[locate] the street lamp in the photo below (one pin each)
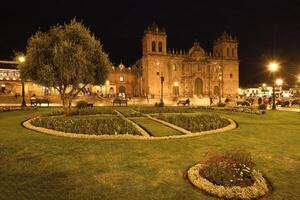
(279, 82)
(161, 84)
(21, 60)
(273, 67)
(220, 80)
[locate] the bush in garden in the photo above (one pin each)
(81, 104)
(262, 106)
(231, 169)
(221, 104)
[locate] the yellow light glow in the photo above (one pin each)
(298, 77)
(264, 85)
(279, 81)
(176, 83)
(273, 66)
(21, 59)
(107, 82)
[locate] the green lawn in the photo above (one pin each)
(155, 128)
(37, 166)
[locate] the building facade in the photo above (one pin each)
(194, 73)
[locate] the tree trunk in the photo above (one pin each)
(67, 104)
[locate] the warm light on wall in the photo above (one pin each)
(176, 83)
(279, 81)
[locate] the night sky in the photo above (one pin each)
(265, 29)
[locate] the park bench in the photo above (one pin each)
(120, 102)
(90, 105)
(243, 103)
(35, 102)
(183, 102)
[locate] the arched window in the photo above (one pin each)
(228, 52)
(198, 87)
(198, 67)
(160, 47)
(174, 67)
(231, 75)
(153, 46)
(233, 52)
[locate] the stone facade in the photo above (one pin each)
(195, 73)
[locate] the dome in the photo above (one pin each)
(196, 51)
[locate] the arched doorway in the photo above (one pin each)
(111, 91)
(198, 87)
(122, 89)
(175, 90)
(216, 90)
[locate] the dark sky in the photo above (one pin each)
(265, 29)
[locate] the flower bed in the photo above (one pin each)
(249, 110)
(195, 123)
(86, 125)
(229, 176)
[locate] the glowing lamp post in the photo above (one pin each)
(21, 60)
(273, 67)
(279, 82)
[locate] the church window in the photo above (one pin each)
(121, 78)
(153, 46)
(228, 52)
(231, 75)
(233, 52)
(174, 67)
(160, 47)
(198, 67)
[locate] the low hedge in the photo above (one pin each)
(87, 125)
(195, 123)
(84, 111)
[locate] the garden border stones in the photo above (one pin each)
(27, 124)
(258, 189)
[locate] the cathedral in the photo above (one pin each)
(178, 73)
(194, 73)
(163, 73)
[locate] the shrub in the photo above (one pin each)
(81, 104)
(160, 104)
(231, 169)
(262, 107)
(221, 104)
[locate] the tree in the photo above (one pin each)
(67, 58)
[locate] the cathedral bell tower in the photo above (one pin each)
(154, 40)
(226, 47)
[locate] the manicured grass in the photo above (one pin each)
(155, 129)
(37, 166)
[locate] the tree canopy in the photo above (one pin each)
(67, 57)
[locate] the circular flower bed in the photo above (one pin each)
(230, 176)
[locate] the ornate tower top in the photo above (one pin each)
(154, 29)
(225, 37)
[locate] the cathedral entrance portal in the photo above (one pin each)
(198, 87)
